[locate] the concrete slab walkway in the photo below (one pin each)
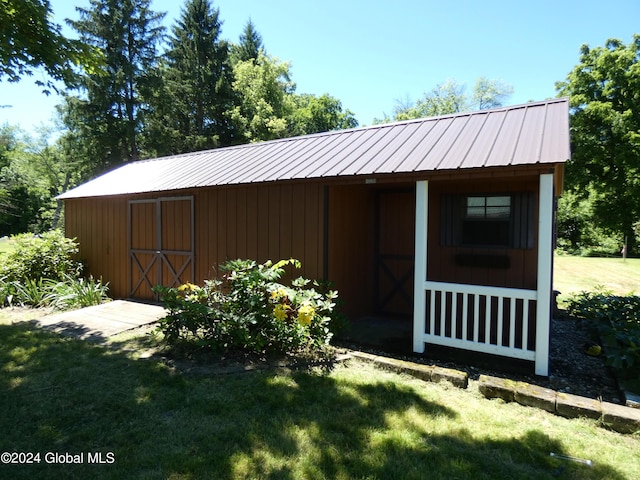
(99, 322)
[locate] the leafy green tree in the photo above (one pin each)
(111, 115)
(263, 88)
(29, 40)
(312, 114)
(490, 93)
(604, 91)
(450, 97)
(191, 111)
(24, 195)
(250, 45)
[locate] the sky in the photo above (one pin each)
(371, 53)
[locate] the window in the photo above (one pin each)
(488, 221)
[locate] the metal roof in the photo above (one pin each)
(529, 134)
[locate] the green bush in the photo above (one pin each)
(613, 320)
(40, 271)
(248, 309)
(45, 256)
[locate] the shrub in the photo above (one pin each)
(41, 271)
(613, 320)
(35, 257)
(248, 309)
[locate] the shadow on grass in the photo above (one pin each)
(67, 396)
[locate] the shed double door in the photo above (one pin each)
(161, 244)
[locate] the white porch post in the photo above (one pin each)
(545, 259)
(419, 295)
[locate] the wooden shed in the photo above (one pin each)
(446, 219)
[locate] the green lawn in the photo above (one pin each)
(5, 245)
(156, 422)
(577, 274)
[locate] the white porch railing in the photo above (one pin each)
(492, 320)
(477, 304)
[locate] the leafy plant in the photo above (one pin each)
(48, 255)
(249, 309)
(30, 292)
(75, 292)
(613, 320)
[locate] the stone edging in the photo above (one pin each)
(619, 418)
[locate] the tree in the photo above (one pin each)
(604, 92)
(250, 45)
(490, 93)
(111, 115)
(263, 88)
(450, 97)
(197, 84)
(29, 40)
(312, 114)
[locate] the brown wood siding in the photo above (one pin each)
(266, 222)
(350, 238)
(100, 227)
(442, 265)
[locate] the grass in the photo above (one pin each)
(67, 396)
(577, 274)
(6, 245)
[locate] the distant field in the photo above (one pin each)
(577, 274)
(5, 245)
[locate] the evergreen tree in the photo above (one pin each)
(110, 116)
(250, 45)
(191, 112)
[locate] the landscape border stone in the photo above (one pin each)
(620, 418)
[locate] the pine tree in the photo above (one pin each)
(110, 116)
(250, 45)
(197, 78)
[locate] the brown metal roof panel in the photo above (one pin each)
(326, 146)
(327, 162)
(485, 140)
(255, 162)
(400, 158)
(463, 146)
(530, 139)
(347, 155)
(295, 154)
(507, 139)
(555, 141)
(395, 138)
(432, 149)
(368, 149)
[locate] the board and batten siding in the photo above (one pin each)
(260, 222)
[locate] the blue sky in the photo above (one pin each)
(368, 53)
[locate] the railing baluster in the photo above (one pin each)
(487, 318)
(513, 302)
(454, 314)
(465, 315)
(499, 333)
(443, 312)
(476, 317)
(432, 312)
(525, 324)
